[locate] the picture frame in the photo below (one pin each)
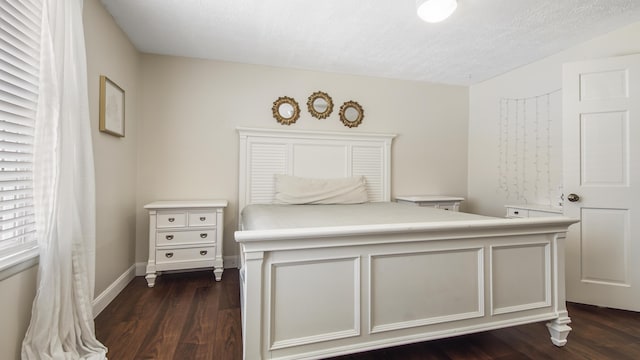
(112, 99)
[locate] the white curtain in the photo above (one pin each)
(62, 324)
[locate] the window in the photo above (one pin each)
(19, 69)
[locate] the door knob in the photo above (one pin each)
(573, 197)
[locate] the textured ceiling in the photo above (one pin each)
(382, 38)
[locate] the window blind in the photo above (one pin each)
(19, 69)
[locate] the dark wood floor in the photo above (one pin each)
(190, 316)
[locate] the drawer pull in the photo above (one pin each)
(169, 254)
(203, 235)
(203, 218)
(169, 237)
(203, 252)
(516, 212)
(171, 219)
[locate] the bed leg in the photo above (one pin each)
(559, 330)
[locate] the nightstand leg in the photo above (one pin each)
(151, 279)
(217, 272)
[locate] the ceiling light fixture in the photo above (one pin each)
(435, 10)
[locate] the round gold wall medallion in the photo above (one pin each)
(285, 110)
(351, 114)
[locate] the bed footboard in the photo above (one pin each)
(311, 295)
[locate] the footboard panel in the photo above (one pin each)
(312, 300)
(340, 295)
(409, 289)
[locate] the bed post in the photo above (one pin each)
(386, 195)
(242, 174)
(252, 306)
(558, 328)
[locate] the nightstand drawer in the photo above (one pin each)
(184, 255)
(447, 206)
(168, 238)
(531, 210)
(511, 212)
(202, 218)
(442, 202)
(171, 219)
(536, 213)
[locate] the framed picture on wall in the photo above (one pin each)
(111, 107)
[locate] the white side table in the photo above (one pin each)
(185, 235)
(532, 210)
(443, 202)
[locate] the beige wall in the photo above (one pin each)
(16, 295)
(188, 148)
(531, 80)
(110, 53)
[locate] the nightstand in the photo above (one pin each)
(532, 210)
(435, 201)
(185, 235)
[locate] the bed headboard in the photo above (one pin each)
(313, 154)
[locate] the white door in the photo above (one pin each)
(601, 164)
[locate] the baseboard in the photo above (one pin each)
(110, 293)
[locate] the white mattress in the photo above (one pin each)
(272, 216)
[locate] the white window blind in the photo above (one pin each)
(19, 69)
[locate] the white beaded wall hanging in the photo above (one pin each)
(525, 148)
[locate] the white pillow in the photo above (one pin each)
(297, 190)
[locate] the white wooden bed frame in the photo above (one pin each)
(313, 293)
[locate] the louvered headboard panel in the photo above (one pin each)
(313, 154)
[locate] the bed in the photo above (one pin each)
(325, 280)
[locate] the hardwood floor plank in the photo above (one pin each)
(419, 351)
(462, 348)
(190, 316)
(230, 296)
(196, 341)
(163, 336)
(622, 323)
(597, 343)
(228, 338)
(124, 322)
(490, 344)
